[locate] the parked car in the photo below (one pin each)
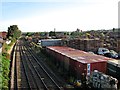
(103, 51)
(112, 54)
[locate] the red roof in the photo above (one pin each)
(3, 34)
(78, 55)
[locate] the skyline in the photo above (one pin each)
(37, 16)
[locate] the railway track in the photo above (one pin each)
(40, 59)
(34, 75)
(48, 72)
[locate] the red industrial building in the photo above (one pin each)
(77, 62)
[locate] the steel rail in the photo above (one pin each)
(45, 66)
(45, 86)
(24, 68)
(44, 69)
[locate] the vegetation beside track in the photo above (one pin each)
(13, 34)
(5, 65)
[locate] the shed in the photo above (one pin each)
(78, 61)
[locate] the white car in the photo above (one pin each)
(113, 54)
(103, 51)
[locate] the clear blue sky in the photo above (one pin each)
(64, 15)
(14, 10)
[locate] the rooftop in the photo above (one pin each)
(78, 55)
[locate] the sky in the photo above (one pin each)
(63, 15)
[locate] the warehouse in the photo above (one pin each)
(77, 62)
(49, 42)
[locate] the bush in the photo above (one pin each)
(4, 68)
(5, 55)
(5, 65)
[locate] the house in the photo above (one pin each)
(60, 35)
(3, 35)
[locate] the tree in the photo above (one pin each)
(13, 32)
(88, 35)
(76, 34)
(51, 33)
(29, 33)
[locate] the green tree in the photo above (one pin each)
(51, 33)
(13, 32)
(88, 35)
(29, 33)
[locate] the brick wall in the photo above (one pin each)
(85, 44)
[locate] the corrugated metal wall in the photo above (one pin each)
(78, 67)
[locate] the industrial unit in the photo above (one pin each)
(76, 61)
(50, 42)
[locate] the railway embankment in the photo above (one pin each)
(5, 64)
